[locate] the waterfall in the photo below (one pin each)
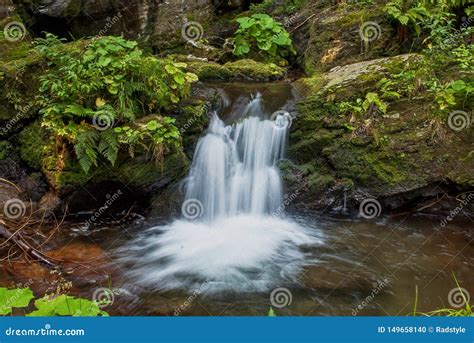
(234, 169)
(229, 237)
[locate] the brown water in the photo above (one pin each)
(363, 267)
(384, 260)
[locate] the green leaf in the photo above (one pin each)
(282, 39)
(171, 69)
(10, 298)
(458, 85)
(179, 78)
(104, 61)
(64, 305)
(245, 22)
(152, 125)
(265, 45)
(262, 16)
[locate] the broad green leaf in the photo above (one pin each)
(64, 305)
(152, 125)
(10, 298)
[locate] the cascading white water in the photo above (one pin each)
(230, 237)
(234, 169)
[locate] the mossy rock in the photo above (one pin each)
(246, 69)
(255, 71)
(209, 70)
(333, 35)
(65, 175)
(355, 80)
(397, 154)
(13, 49)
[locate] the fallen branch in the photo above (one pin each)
(25, 247)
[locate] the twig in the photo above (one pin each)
(23, 245)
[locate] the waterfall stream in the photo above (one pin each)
(234, 169)
(229, 237)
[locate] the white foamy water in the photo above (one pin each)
(229, 239)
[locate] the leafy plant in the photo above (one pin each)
(90, 92)
(448, 312)
(407, 15)
(62, 305)
(371, 104)
(263, 34)
(10, 298)
(65, 305)
(449, 95)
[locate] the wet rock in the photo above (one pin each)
(158, 23)
(340, 166)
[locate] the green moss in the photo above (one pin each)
(390, 171)
(247, 69)
(10, 51)
(311, 85)
(34, 146)
(73, 8)
(142, 173)
(5, 149)
(317, 182)
(209, 70)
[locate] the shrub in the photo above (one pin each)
(61, 305)
(260, 33)
(109, 96)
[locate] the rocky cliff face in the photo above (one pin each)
(157, 22)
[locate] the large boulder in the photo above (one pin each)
(159, 23)
(403, 156)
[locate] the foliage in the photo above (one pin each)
(263, 34)
(449, 95)
(62, 305)
(448, 48)
(271, 312)
(65, 305)
(89, 93)
(411, 16)
(287, 7)
(372, 104)
(433, 17)
(448, 312)
(10, 298)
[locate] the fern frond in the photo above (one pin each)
(85, 146)
(109, 145)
